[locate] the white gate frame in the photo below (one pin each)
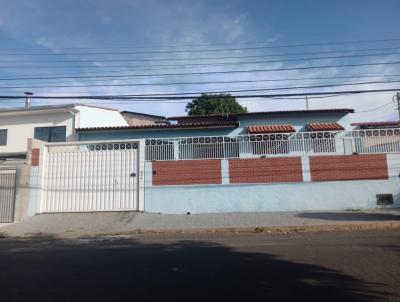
(140, 164)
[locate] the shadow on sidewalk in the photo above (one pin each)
(95, 270)
(350, 216)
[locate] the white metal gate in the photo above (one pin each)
(7, 194)
(87, 179)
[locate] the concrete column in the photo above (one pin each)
(225, 171)
(305, 165)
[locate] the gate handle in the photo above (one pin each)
(133, 174)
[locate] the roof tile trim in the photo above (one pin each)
(377, 124)
(284, 128)
(325, 127)
(162, 126)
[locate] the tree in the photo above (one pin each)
(214, 104)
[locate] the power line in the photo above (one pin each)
(263, 89)
(116, 101)
(191, 64)
(375, 108)
(169, 98)
(186, 59)
(205, 73)
(180, 66)
(204, 44)
(382, 76)
(206, 50)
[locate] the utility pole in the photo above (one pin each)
(307, 107)
(28, 99)
(398, 103)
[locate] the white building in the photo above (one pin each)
(53, 123)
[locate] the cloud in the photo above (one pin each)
(135, 23)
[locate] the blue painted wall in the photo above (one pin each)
(340, 195)
(305, 196)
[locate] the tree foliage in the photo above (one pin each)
(214, 104)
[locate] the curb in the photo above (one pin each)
(260, 229)
(289, 229)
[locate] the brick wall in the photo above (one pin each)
(186, 172)
(348, 167)
(265, 170)
(35, 157)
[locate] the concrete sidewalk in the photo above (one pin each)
(89, 224)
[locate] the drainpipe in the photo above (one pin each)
(73, 113)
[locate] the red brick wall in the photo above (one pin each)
(265, 170)
(186, 172)
(35, 157)
(348, 167)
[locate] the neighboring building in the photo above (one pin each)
(51, 123)
(23, 132)
(141, 119)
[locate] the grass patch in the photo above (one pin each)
(259, 230)
(3, 235)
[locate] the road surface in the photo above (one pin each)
(315, 266)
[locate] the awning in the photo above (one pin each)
(325, 127)
(285, 128)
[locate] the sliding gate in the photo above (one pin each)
(87, 178)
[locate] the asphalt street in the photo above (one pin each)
(310, 266)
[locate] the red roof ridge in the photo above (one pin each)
(280, 128)
(333, 126)
(161, 126)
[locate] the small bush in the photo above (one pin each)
(259, 230)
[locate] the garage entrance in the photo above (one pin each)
(90, 177)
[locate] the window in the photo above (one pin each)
(3, 137)
(51, 134)
(384, 199)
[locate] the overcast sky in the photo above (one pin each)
(47, 27)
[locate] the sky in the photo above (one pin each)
(157, 36)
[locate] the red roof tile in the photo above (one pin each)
(386, 124)
(162, 126)
(325, 127)
(270, 129)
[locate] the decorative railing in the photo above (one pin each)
(278, 144)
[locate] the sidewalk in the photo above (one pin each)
(91, 224)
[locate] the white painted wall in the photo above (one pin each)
(98, 117)
(21, 124)
(21, 127)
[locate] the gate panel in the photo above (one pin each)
(87, 181)
(7, 194)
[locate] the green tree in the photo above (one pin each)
(214, 104)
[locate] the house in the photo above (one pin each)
(250, 162)
(232, 124)
(23, 131)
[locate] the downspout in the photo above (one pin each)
(73, 113)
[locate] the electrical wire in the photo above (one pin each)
(177, 97)
(208, 72)
(206, 50)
